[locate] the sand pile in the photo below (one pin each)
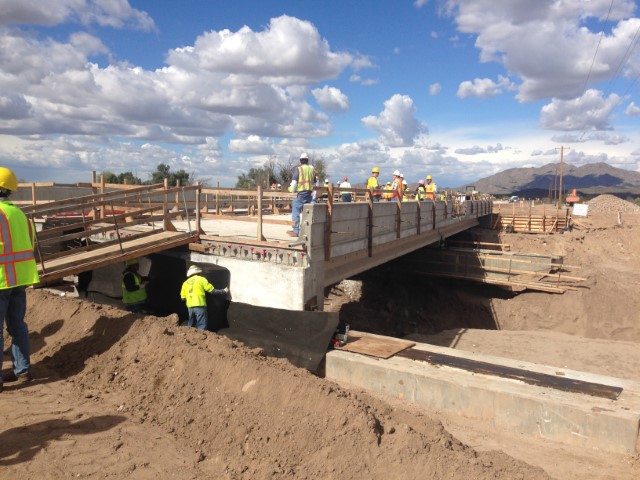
(242, 415)
(611, 204)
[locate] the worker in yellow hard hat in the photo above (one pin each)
(18, 272)
(430, 188)
(373, 185)
(134, 287)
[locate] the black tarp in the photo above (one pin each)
(301, 337)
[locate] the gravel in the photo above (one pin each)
(610, 203)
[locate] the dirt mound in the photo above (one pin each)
(241, 414)
(611, 204)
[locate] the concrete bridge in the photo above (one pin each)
(239, 236)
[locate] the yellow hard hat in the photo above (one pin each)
(8, 179)
(131, 261)
(428, 177)
(375, 170)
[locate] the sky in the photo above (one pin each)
(456, 89)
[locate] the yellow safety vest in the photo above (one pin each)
(17, 262)
(137, 296)
(194, 289)
(305, 178)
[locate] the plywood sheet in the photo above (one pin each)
(374, 345)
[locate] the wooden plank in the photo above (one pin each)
(374, 345)
(110, 254)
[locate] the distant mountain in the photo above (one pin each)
(595, 177)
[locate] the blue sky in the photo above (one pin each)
(457, 89)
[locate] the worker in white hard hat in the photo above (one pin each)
(302, 185)
(134, 287)
(193, 292)
(19, 270)
(396, 185)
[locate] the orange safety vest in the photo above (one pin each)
(17, 262)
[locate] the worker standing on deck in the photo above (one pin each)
(18, 271)
(374, 185)
(134, 287)
(346, 196)
(420, 191)
(194, 291)
(431, 188)
(302, 184)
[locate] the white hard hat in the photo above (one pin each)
(193, 270)
(404, 182)
(396, 173)
(304, 155)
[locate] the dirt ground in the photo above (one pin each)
(117, 395)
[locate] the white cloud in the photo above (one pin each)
(396, 124)
(106, 13)
(632, 110)
(589, 112)
(331, 99)
(435, 88)
(252, 144)
(518, 34)
(475, 150)
(483, 87)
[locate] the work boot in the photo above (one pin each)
(291, 233)
(22, 378)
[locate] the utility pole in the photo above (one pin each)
(560, 180)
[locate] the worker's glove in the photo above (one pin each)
(289, 189)
(226, 290)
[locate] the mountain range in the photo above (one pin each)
(593, 178)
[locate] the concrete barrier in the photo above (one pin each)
(508, 404)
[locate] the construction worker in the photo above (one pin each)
(388, 193)
(301, 183)
(420, 191)
(396, 185)
(345, 196)
(373, 185)
(430, 188)
(193, 291)
(134, 291)
(18, 271)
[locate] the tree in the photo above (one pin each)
(320, 167)
(253, 178)
(164, 171)
(122, 178)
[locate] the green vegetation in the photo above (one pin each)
(162, 171)
(277, 172)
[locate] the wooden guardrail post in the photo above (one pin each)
(399, 211)
(370, 226)
(198, 229)
(102, 205)
(328, 224)
(260, 236)
(165, 206)
(33, 194)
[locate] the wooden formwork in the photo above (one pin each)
(530, 222)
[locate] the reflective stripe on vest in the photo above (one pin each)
(17, 261)
(305, 178)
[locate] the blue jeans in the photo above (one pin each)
(296, 208)
(13, 306)
(198, 317)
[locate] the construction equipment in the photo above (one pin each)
(341, 336)
(572, 197)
